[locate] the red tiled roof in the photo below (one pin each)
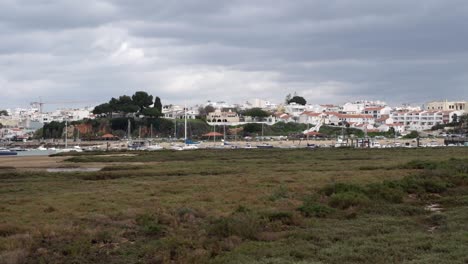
(213, 134)
(313, 133)
(311, 113)
(352, 116)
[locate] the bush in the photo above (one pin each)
(421, 164)
(310, 209)
(149, 225)
(385, 192)
(244, 225)
(420, 184)
(280, 193)
(340, 188)
(345, 200)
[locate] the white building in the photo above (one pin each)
(424, 120)
(219, 116)
(294, 109)
(447, 105)
(377, 112)
(312, 118)
(337, 118)
(263, 104)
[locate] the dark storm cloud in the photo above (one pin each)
(398, 51)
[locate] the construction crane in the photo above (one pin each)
(40, 104)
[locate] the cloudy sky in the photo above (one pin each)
(197, 50)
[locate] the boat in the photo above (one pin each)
(66, 150)
(6, 152)
(153, 148)
(312, 146)
(265, 146)
(188, 143)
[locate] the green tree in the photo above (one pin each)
(298, 100)
(256, 112)
(251, 128)
(102, 109)
(3, 113)
(142, 100)
(287, 99)
(1, 125)
(204, 111)
(157, 104)
(125, 104)
(53, 129)
(412, 134)
(151, 112)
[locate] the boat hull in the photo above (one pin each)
(8, 153)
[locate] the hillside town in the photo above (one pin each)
(369, 116)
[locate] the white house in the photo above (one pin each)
(399, 127)
(313, 118)
(336, 118)
(294, 109)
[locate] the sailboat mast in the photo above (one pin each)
(129, 127)
(185, 117)
(262, 131)
(66, 133)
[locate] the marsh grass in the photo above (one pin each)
(242, 206)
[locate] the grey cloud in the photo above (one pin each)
(333, 50)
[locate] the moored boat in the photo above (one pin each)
(7, 152)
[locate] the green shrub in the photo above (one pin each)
(420, 184)
(420, 165)
(244, 225)
(281, 216)
(340, 188)
(149, 225)
(310, 209)
(345, 200)
(280, 193)
(384, 192)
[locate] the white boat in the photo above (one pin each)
(188, 144)
(66, 150)
(189, 147)
(154, 148)
(176, 147)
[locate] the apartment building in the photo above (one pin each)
(424, 120)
